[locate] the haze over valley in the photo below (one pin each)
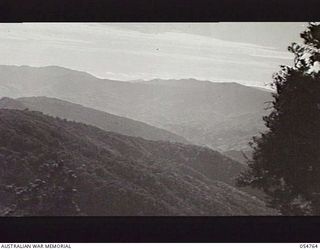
(223, 116)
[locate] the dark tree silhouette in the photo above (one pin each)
(286, 158)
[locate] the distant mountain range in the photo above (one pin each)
(122, 175)
(223, 116)
(103, 120)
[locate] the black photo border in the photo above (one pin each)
(171, 229)
(158, 10)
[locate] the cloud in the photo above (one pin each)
(101, 37)
(123, 53)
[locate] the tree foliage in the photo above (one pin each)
(286, 158)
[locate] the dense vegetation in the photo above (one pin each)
(79, 169)
(51, 192)
(286, 159)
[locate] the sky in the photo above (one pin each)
(247, 53)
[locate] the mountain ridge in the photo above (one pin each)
(66, 69)
(118, 175)
(72, 111)
(214, 114)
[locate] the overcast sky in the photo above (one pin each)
(243, 52)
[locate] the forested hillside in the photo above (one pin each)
(112, 174)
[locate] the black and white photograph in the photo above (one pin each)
(160, 119)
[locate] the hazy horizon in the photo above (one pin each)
(266, 87)
(246, 53)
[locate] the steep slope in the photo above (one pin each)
(239, 156)
(103, 120)
(118, 175)
(213, 114)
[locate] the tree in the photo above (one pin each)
(286, 158)
(51, 192)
